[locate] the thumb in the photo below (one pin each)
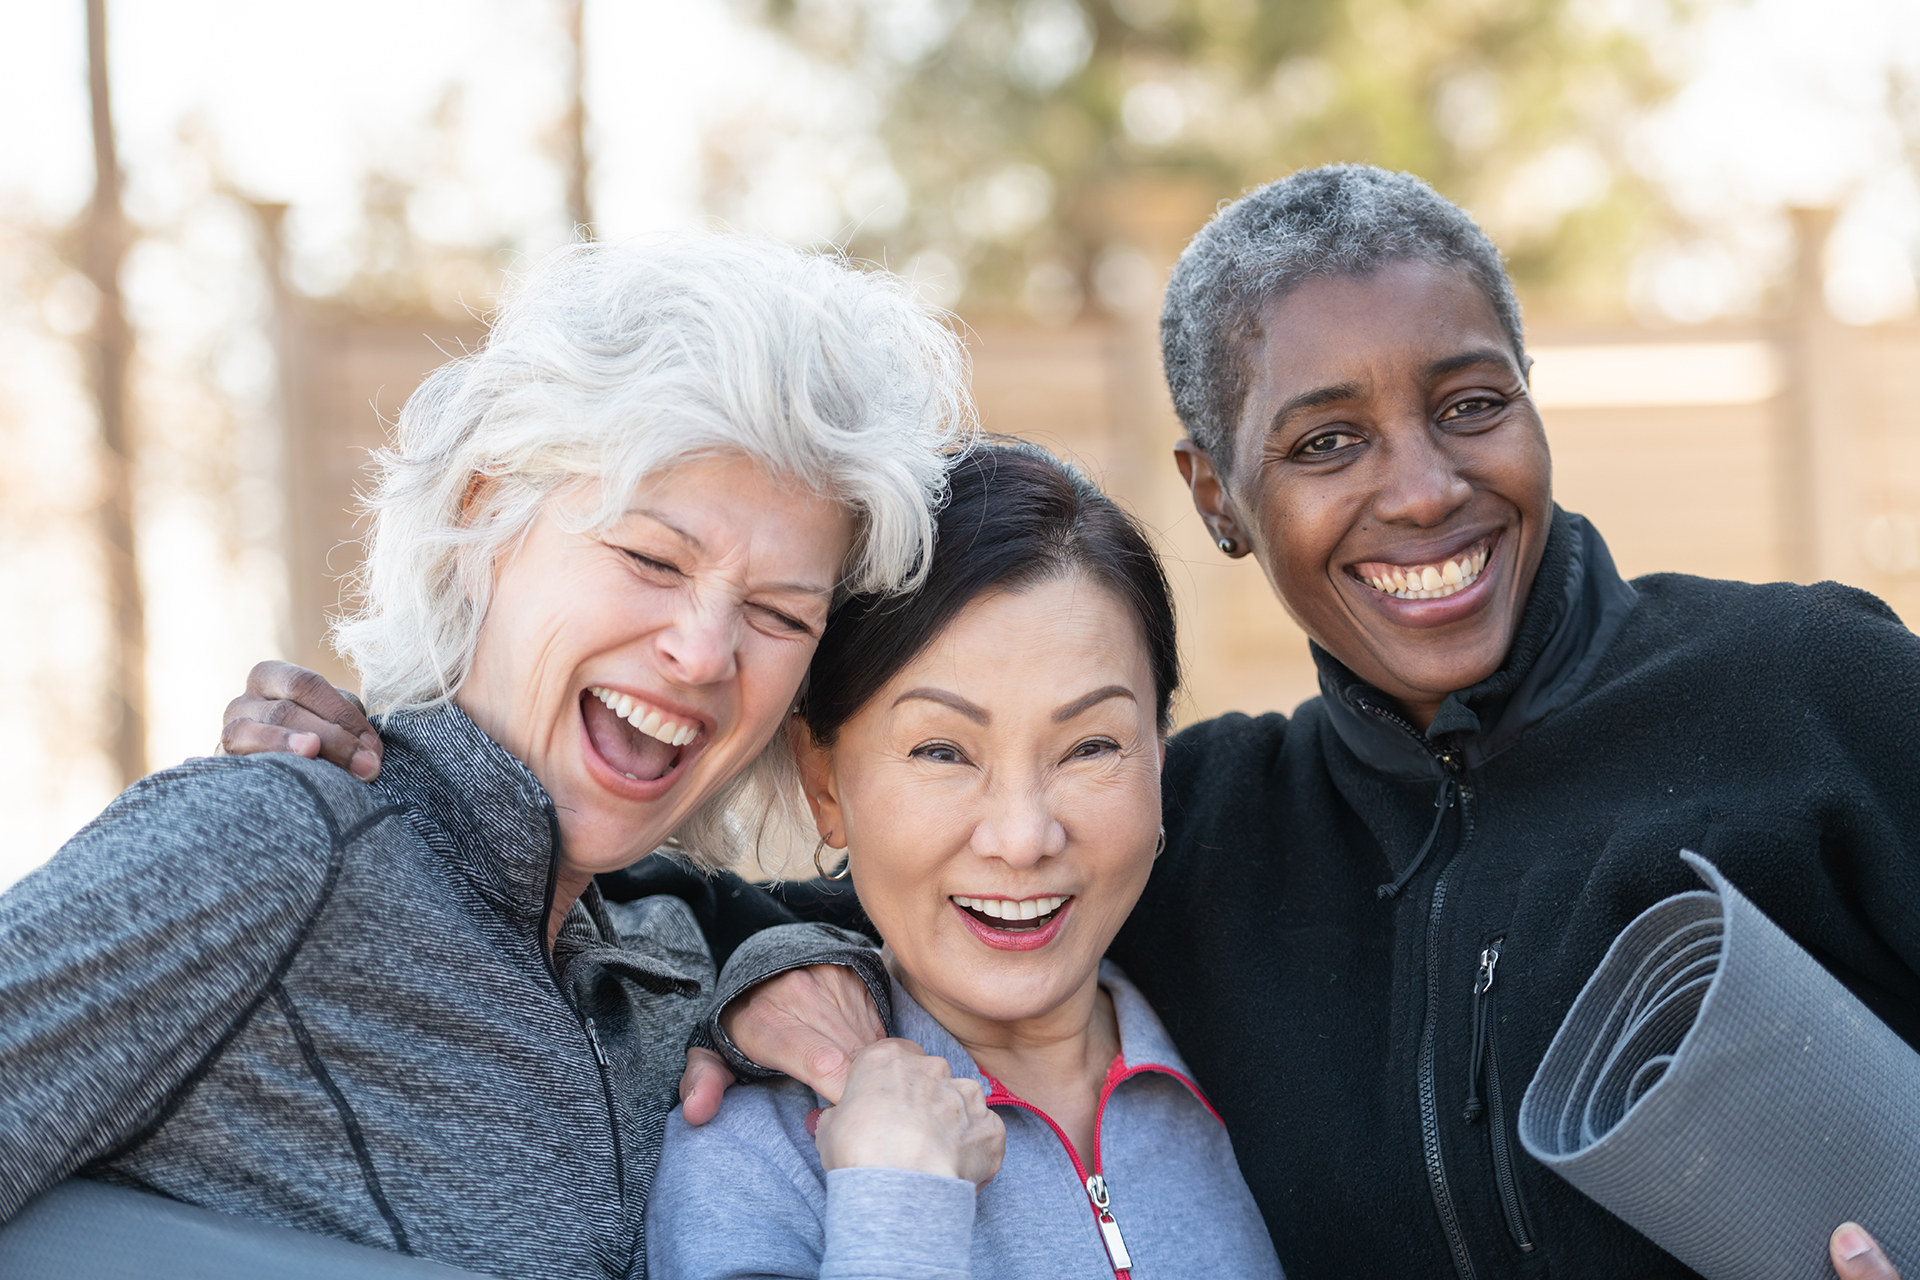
(702, 1085)
(1856, 1256)
(823, 1067)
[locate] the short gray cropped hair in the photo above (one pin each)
(613, 363)
(1336, 220)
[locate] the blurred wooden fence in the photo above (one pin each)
(1790, 451)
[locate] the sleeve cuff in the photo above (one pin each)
(774, 951)
(897, 1224)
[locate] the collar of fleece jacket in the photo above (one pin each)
(490, 817)
(1578, 604)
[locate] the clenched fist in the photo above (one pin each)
(902, 1109)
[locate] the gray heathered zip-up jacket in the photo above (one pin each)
(745, 1195)
(263, 987)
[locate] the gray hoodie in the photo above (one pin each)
(259, 986)
(745, 1196)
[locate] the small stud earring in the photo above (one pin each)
(1228, 545)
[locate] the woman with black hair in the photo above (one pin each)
(987, 751)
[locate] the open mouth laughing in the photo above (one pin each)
(1013, 924)
(642, 743)
(1434, 581)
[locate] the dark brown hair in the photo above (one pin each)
(1016, 516)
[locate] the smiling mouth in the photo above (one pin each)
(1010, 916)
(640, 742)
(1427, 581)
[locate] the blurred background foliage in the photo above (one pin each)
(320, 202)
(1006, 129)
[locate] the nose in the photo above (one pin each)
(1019, 827)
(1422, 482)
(700, 647)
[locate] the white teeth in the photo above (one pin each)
(1005, 909)
(645, 718)
(1430, 582)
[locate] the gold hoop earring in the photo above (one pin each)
(1162, 846)
(846, 868)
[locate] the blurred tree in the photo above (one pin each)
(104, 238)
(1011, 127)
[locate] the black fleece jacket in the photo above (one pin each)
(1773, 728)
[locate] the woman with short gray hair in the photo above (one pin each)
(604, 548)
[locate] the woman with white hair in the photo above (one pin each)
(604, 549)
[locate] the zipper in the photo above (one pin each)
(593, 1038)
(1486, 1055)
(1099, 1198)
(603, 1066)
(1109, 1229)
(1424, 1073)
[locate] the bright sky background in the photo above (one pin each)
(302, 97)
(1784, 102)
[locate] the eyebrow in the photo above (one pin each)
(1315, 399)
(1467, 359)
(1084, 701)
(926, 694)
(687, 536)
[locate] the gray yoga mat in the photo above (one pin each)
(82, 1230)
(1727, 1097)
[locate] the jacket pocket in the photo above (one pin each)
(1484, 1073)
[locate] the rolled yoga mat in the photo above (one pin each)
(82, 1230)
(1727, 1097)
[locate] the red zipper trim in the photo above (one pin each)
(999, 1096)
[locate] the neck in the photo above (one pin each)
(1420, 713)
(568, 885)
(1057, 1060)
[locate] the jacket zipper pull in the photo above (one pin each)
(1109, 1229)
(599, 1054)
(1482, 984)
(1441, 803)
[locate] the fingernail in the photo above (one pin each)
(306, 744)
(1852, 1242)
(364, 765)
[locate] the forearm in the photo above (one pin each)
(776, 951)
(729, 910)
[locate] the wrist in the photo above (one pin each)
(890, 1150)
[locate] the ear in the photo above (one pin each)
(817, 781)
(1210, 497)
(474, 500)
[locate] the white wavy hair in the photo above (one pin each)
(612, 363)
